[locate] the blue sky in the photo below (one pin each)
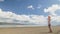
(31, 11)
(20, 6)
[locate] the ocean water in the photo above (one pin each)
(19, 25)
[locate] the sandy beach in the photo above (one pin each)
(29, 30)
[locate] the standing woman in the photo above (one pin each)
(49, 25)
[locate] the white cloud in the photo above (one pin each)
(38, 19)
(39, 6)
(1, 0)
(30, 7)
(9, 17)
(55, 18)
(52, 9)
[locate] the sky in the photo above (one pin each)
(30, 12)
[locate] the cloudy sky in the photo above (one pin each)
(30, 11)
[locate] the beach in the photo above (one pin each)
(29, 30)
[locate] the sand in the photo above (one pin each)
(29, 30)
